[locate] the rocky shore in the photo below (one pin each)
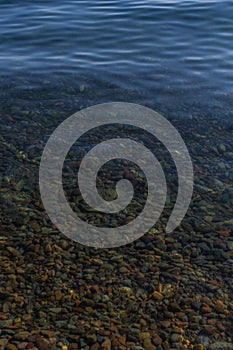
(161, 292)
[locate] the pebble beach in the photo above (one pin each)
(163, 291)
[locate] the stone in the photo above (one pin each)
(22, 346)
(106, 345)
(209, 329)
(157, 340)
(206, 309)
(198, 347)
(3, 343)
(175, 337)
(58, 295)
(157, 295)
(219, 306)
(22, 335)
(95, 346)
(91, 338)
(42, 344)
(11, 347)
(148, 345)
(143, 335)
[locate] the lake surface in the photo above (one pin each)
(175, 56)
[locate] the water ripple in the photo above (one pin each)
(151, 43)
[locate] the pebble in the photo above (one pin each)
(3, 343)
(144, 335)
(148, 345)
(42, 344)
(175, 338)
(106, 345)
(22, 335)
(157, 340)
(11, 347)
(22, 346)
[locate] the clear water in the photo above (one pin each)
(175, 55)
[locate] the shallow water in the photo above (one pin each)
(57, 58)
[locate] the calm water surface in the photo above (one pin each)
(177, 54)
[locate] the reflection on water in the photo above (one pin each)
(158, 48)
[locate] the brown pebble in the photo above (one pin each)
(11, 347)
(42, 344)
(209, 329)
(148, 345)
(58, 295)
(206, 309)
(106, 345)
(211, 321)
(48, 248)
(166, 345)
(122, 339)
(144, 335)
(198, 347)
(95, 346)
(174, 307)
(219, 307)
(103, 332)
(3, 342)
(157, 340)
(73, 346)
(220, 327)
(157, 295)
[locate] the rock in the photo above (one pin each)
(219, 306)
(143, 335)
(202, 339)
(22, 346)
(22, 335)
(222, 148)
(58, 295)
(157, 340)
(3, 343)
(198, 347)
(209, 329)
(122, 339)
(174, 307)
(73, 346)
(106, 345)
(95, 347)
(157, 295)
(11, 347)
(206, 309)
(175, 337)
(42, 343)
(13, 251)
(91, 338)
(148, 345)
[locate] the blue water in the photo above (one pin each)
(177, 54)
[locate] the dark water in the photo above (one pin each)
(177, 55)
